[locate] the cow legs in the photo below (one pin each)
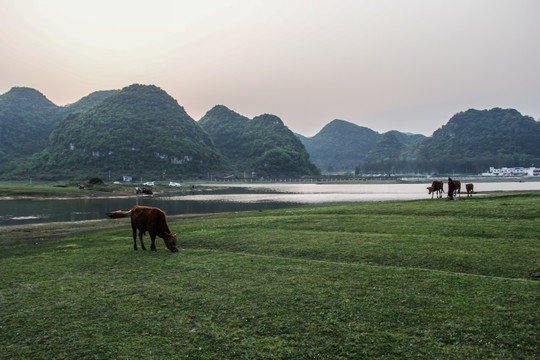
(135, 239)
(153, 238)
(141, 239)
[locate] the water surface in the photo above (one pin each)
(229, 197)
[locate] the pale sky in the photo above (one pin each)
(406, 65)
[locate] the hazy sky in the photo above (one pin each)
(405, 65)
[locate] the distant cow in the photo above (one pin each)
(154, 221)
(457, 187)
(436, 187)
(470, 189)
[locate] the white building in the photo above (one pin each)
(514, 171)
(532, 171)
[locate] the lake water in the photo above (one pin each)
(229, 197)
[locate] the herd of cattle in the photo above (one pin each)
(437, 188)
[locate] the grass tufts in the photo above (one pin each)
(411, 279)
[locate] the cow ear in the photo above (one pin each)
(174, 234)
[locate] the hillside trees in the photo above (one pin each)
(474, 140)
(139, 130)
(263, 145)
(27, 118)
(340, 145)
(388, 155)
(142, 130)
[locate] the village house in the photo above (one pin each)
(514, 171)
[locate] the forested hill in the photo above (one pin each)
(469, 143)
(474, 140)
(343, 146)
(263, 145)
(141, 130)
(27, 118)
(88, 101)
(137, 131)
(340, 145)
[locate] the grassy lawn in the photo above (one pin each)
(420, 279)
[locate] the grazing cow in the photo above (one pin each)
(436, 187)
(470, 189)
(154, 221)
(457, 187)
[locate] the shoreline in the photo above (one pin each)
(124, 195)
(42, 232)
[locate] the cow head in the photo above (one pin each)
(170, 242)
(430, 189)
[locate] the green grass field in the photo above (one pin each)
(427, 279)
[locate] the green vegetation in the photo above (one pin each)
(340, 145)
(474, 140)
(88, 102)
(343, 146)
(387, 154)
(415, 279)
(27, 118)
(263, 145)
(138, 131)
(141, 131)
(469, 143)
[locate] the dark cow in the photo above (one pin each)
(143, 191)
(154, 221)
(436, 187)
(470, 189)
(457, 187)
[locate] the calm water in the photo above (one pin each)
(226, 198)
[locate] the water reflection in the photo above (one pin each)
(230, 197)
(317, 193)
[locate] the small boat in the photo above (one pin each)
(119, 214)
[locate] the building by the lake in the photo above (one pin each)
(513, 171)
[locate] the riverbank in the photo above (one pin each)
(46, 191)
(51, 191)
(402, 279)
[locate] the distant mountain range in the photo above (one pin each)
(139, 131)
(469, 143)
(142, 131)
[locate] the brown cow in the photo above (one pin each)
(470, 189)
(436, 187)
(154, 221)
(457, 187)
